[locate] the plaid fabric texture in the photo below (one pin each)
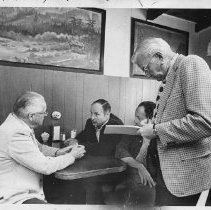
(184, 127)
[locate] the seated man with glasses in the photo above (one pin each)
(22, 158)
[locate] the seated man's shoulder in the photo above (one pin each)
(14, 135)
(12, 126)
(11, 129)
(114, 120)
(89, 123)
(20, 134)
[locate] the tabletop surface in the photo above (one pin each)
(89, 166)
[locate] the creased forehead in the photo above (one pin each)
(97, 107)
(151, 46)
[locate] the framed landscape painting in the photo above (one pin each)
(65, 39)
(140, 30)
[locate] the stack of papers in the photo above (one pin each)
(121, 129)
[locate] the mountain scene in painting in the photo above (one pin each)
(67, 37)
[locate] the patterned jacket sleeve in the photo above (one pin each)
(195, 82)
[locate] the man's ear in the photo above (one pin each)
(108, 114)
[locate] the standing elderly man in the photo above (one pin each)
(22, 158)
(182, 122)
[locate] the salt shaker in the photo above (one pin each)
(63, 137)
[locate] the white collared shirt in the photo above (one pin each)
(98, 131)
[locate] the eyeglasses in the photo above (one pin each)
(146, 68)
(45, 114)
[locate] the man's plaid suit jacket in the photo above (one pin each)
(184, 127)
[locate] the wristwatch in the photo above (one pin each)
(154, 132)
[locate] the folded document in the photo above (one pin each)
(121, 129)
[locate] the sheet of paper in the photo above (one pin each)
(121, 129)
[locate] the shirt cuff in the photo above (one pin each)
(56, 152)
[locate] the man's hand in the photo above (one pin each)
(63, 151)
(146, 131)
(71, 142)
(78, 151)
(145, 176)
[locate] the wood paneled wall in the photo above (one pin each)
(72, 93)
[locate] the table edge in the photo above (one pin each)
(90, 173)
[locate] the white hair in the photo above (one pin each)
(151, 46)
(29, 102)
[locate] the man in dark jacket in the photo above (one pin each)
(92, 137)
(99, 144)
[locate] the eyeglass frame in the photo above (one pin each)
(146, 68)
(45, 114)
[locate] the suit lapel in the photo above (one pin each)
(168, 88)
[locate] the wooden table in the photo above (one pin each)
(90, 166)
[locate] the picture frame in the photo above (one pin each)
(60, 39)
(140, 30)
